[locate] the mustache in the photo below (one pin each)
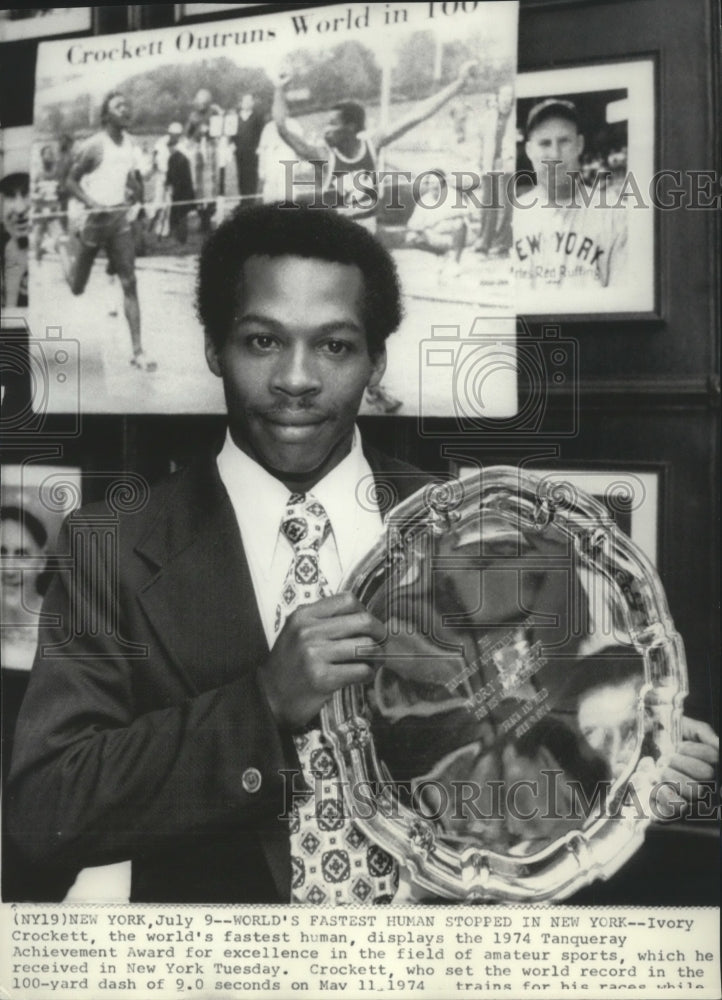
(284, 409)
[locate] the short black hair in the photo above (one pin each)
(29, 521)
(289, 230)
(352, 113)
(106, 101)
(15, 183)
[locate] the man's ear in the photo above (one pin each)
(212, 357)
(580, 143)
(379, 367)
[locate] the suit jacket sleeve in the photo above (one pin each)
(123, 747)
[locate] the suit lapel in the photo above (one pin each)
(201, 601)
(202, 606)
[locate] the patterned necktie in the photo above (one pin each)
(331, 860)
(306, 526)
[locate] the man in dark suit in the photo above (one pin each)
(173, 695)
(246, 141)
(167, 696)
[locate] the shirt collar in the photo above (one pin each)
(259, 501)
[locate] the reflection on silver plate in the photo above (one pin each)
(527, 693)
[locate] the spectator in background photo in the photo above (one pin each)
(45, 201)
(203, 130)
(497, 162)
(15, 238)
(245, 143)
(64, 163)
(179, 184)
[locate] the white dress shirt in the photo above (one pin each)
(259, 501)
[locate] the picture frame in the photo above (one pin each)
(632, 498)
(616, 108)
(19, 23)
(183, 11)
(15, 223)
(630, 494)
(35, 500)
(424, 86)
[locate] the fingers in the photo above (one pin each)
(702, 732)
(342, 616)
(669, 803)
(362, 626)
(690, 767)
(351, 650)
(702, 751)
(340, 675)
(330, 607)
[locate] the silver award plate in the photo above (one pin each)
(527, 694)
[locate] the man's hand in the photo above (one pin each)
(692, 765)
(467, 71)
(315, 655)
(281, 79)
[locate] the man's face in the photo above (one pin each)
(505, 99)
(337, 130)
(555, 139)
(607, 718)
(47, 155)
(247, 103)
(19, 555)
(430, 190)
(16, 212)
(295, 365)
(118, 112)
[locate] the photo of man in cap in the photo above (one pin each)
(14, 238)
(565, 235)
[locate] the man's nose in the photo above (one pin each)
(297, 372)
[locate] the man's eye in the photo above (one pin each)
(337, 347)
(260, 341)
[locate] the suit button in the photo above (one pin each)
(251, 779)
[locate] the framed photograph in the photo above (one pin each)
(184, 10)
(632, 499)
(584, 220)
(15, 223)
(41, 22)
(630, 496)
(34, 500)
(429, 91)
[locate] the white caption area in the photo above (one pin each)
(224, 952)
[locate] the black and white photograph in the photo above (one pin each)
(34, 500)
(631, 497)
(15, 223)
(393, 117)
(359, 441)
(43, 22)
(203, 9)
(584, 208)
